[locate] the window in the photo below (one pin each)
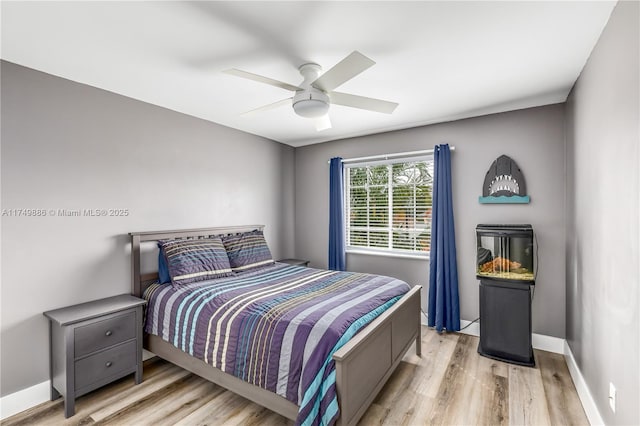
(388, 206)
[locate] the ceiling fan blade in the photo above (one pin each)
(355, 101)
(343, 71)
(322, 123)
(268, 106)
(261, 79)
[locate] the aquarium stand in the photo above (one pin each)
(505, 321)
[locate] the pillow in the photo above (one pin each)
(163, 268)
(195, 260)
(247, 250)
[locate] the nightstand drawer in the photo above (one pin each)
(105, 364)
(102, 334)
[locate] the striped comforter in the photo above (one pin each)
(276, 328)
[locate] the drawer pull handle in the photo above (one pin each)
(108, 364)
(108, 333)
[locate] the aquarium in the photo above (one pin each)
(505, 252)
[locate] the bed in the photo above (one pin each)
(362, 364)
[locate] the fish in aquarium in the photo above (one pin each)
(501, 267)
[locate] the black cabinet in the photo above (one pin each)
(505, 321)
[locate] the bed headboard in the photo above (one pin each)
(140, 281)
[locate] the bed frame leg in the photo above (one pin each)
(419, 343)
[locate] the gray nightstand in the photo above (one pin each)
(93, 344)
(295, 262)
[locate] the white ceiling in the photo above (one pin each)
(439, 60)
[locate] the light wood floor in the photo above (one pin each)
(451, 384)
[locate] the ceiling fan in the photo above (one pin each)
(315, 94)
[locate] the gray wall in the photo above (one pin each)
(534, 138)
(70, 146)
(603, 295)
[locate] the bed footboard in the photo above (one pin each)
(365, 363)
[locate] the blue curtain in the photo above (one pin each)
(444, 305)
(336, 216)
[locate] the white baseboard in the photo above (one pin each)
(472, 329)
(24, 399)
(548, 343)
(539, 341)
(588, 403)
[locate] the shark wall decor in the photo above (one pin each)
(504, 183)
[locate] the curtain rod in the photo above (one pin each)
(387, 156)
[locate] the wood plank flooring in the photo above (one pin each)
(449, 385)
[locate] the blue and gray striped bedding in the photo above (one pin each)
(276, 328)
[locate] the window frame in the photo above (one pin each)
(382, 251)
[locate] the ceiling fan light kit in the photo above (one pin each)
(314, 95)
(311, 103)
